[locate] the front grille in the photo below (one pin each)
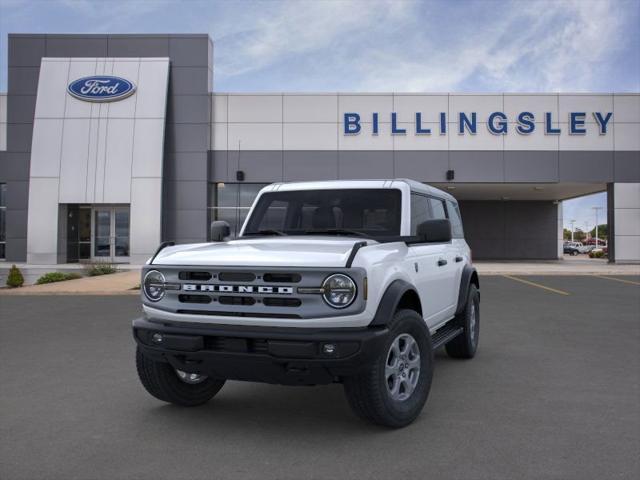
(196, 276)
(263, 292)
(194, 298)
(237, 276)
(236, 300)
(282, 302)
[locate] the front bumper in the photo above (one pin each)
(289, 356)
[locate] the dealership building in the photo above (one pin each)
(111, 144)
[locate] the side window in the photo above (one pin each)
(455, 219)
(419, 211)
(437, 209)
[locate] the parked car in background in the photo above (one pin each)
(575, 248)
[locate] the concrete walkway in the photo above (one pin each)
(569, 266)
(122, 283)
(125, 283)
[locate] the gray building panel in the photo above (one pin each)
(23, 80)
(14, 166)
(185, 195)
(531, 166)
(22, 108)
(189, 50)
(187, 137)
(76, 46)
(310, 165)
(188, 80)
(477, 166)
(429, 166)
(586, 166)
(188, 109)
(19, 138)
(138, 46)
(365, 164)
(218, 166)
(26, 50)
(257, 165)
(185, 166)
(16, 222)
(626, 166)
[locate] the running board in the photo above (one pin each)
(445, 334)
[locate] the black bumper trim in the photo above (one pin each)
(290, 356)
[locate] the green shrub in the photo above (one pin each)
(15, 278)
(596, 254)
(96, 269)
(52, 277)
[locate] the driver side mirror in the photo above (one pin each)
(219, 230)
(434, 231)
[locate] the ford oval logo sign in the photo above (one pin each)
(101, 88)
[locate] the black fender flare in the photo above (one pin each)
(469, 276)
(389, 302)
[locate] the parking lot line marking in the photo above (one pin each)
(631, 282)
(534, 284)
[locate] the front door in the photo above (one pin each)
(111, 234)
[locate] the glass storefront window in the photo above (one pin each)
(231, 202)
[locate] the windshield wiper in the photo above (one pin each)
(336, 231)
(266, 232)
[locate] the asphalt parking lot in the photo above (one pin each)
(554, 392)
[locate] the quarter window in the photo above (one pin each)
(438, 211)
(420, 211)
(456, 219)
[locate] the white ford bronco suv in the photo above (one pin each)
(356, 282)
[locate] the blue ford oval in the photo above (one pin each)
(101, 88)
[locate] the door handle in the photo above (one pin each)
(442, 262)
(459, 259)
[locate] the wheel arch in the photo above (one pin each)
(469, 277)
(399, 294)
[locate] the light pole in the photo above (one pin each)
(596, 210)
(572, 222)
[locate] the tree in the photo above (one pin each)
(566, 234)
(579, 235)
(603, 231)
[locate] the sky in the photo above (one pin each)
(377, 45)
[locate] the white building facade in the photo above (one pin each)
(110, 178)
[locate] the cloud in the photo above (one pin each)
(410, 46)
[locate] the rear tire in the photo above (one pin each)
(466, 344)
(163, 382)
(371, 395)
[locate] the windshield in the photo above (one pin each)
(359, 212)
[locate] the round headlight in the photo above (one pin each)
(339, 290)
(153, 285)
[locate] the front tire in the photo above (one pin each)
(466, 344)
(393, 390)
(170, 385)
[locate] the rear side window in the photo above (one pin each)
(455, 219)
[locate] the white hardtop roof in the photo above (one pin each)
(414, 185)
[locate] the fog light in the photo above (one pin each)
(157, 338)
(329, 348)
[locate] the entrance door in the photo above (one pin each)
(111, 234)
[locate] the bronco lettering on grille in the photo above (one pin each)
(191, 287)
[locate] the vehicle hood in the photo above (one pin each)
(311, 251)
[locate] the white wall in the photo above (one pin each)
(626, 211)
(97, 153)
(298, 121)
